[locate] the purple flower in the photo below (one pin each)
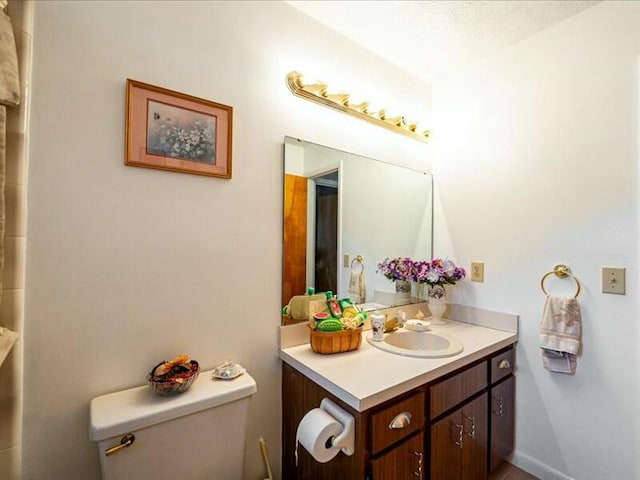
(399, 268)
(433, 272)
(438, 272)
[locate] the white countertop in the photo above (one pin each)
(368, 376)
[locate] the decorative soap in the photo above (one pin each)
(330, 325)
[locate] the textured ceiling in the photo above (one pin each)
(435, 38)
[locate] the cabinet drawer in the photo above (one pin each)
(396, 421)
(502, 365)
(407, 460)
(457, 388)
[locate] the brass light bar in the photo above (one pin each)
(317, 92)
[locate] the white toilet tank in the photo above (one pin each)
(196, 435)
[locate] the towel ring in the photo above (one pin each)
(561, 271)
(359, 260)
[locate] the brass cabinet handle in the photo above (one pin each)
(125, 442)
(460, 435)
(504, 364)
(401, 420)
(418, 473)
(472, 433)
(500, 401)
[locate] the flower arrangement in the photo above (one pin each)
(437, 272)
(434, 272)
(399, 268)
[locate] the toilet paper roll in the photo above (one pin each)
(315, 432)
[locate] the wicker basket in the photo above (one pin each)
(331, 342)
(334, 342)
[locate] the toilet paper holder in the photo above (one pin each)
(347, 438)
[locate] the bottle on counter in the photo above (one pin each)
(377, 326)
(345, 303)
(334, 306)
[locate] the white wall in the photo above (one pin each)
(536, 163)
(126, 266)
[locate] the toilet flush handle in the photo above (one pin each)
(125, 442)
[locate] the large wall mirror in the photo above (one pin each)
(344, 213)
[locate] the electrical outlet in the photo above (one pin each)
(477, 271)
(613, 280)
(345, 260)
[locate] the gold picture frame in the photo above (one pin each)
(169, 130)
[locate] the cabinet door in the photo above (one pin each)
(406, 461)
(447, 439)
(502, 420)
(475, 439)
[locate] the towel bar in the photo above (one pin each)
(561, 271)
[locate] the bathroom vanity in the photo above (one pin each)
(421, 418)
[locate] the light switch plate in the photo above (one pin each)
(477, 271)
(613, 280)
(345, 260)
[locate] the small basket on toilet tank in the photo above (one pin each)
(197, 435)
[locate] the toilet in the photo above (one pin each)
(196, 435)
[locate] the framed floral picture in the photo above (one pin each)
(174, 131)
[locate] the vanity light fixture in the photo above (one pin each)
(317, 92)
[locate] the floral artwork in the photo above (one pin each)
(169, 130)
(180, 133)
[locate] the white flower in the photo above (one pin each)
(449, 267)
(433, 276)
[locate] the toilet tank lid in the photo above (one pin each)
(118, 413)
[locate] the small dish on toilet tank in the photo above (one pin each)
(228, 370)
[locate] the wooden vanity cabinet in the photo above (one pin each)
(459, 440)
(458, 427)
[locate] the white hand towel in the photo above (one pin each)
(560, 331)
(357, 287)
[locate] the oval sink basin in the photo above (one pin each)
(419, 344)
